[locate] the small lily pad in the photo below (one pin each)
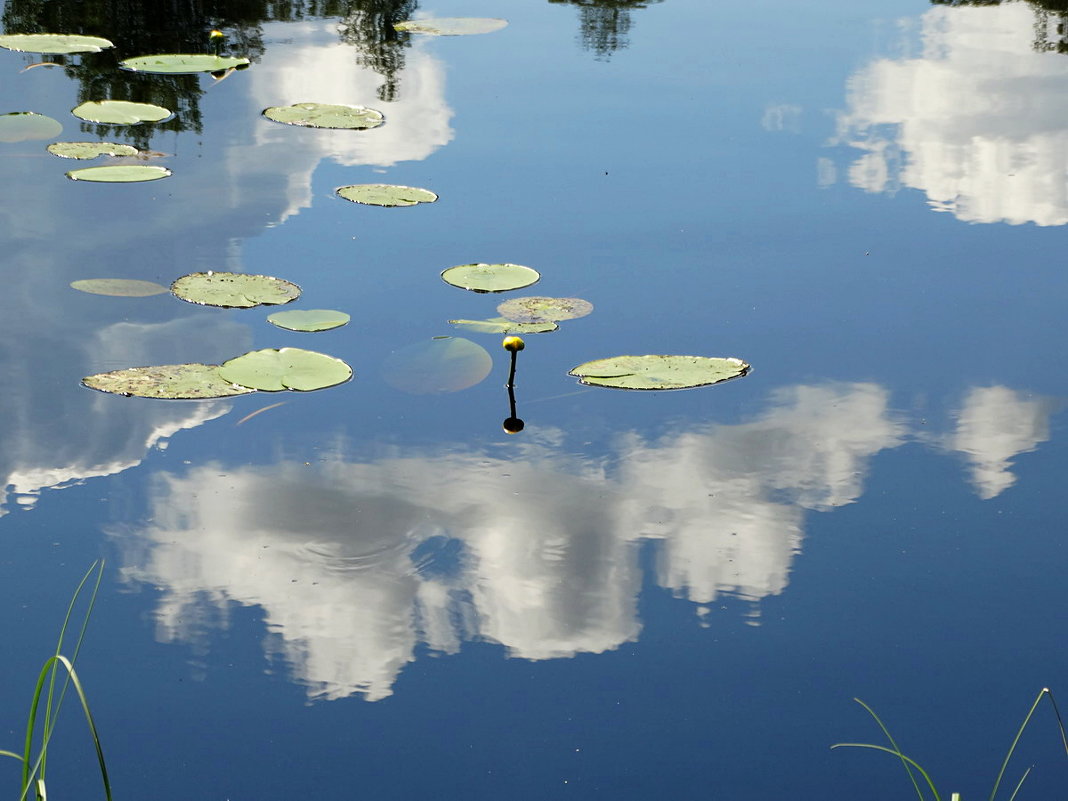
(442, 364)
(452, 26)
(119, 174)
(234, 290)
(119, 112)
(323, 115)
(182, 63)
(90, 150)
(119, 287)
(490, 277)
(22, 126)
(544, 310)
(386, 195)
(499, 325)
(54, 43)
(170, 381)
(275, 369)
(309, 320)
(658, 372)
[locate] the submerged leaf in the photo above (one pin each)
(171, 381)
(309, 320)
(274, 369)
(90, 150)
(442, 364)
(324, 115)
(119, 287)
(452, 26)
(234, 290)
(119, 112)
(182, 63)
(386, 194)
(119, 174)
(499, 325)
(21, 126)
(659, 372)
(53, 43)
(490, 277)
(544, 310)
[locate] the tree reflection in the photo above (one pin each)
(604, 24)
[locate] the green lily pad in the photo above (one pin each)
(386, 195)
(544, 310)
(119, 287)
(274, 369)
(499, 325)
(170, 381)
(658, 372)
(119, 174)
(54, 43)
(90, 150)
(21, 126)
(442, 364)
(119, 112)
(452, 26)
(309, 320)
(323, 115)
(182, 63)
(490, 277)
(234, 290)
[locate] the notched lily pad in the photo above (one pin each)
(119, 287)
(119, 112)
(90, 150)
(544, 310)
(499, 325)
(452, 26)
(234, 290)
(22, 126)
(490, 277)
(325, 115)
(309, 320)
(275, 369)
(120, 174)
(169, 381)
(182, 63)
(659, 372)
(442, 364)
(386, 195)
(54, 43)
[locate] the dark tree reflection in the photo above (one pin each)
(604, 24)
(1051, 22)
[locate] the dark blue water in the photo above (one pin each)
(370, 593)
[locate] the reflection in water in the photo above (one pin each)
(604, 24)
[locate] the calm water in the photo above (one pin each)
(367, 593)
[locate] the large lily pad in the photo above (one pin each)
(490, 277)
(119, 287)
(119, 112)
(90, 150)
(22, 126)
(120, 173)
(386, 195)
(659, 372)
(452, 26)
(275, 369)
(442, 364)
(500, 325)
(53, 43)
(170, 381)
(324, 115)
(234, 290)
(544, 310)
(309, 319)
(182, 63)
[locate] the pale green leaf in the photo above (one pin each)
(452, 26)
(234, 290)
(275, 369)
(22, 126)
(119, 112)
(500, 325)
(386, 195)
(182, 63)
(442, 364)
(324, 115)
(119, 173)
(659, 372)
(90, 150)
(170, 381)
(119, 287)
(490, 277)
(544, 310)
(309, 319)
(53, 43)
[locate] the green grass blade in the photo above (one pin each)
(10, 754)
(897, 748)
(900, 756)
(1016, 740)
(1060, 721)
(1020, 784)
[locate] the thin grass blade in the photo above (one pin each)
(897, 748)
(899, 755)
(1060, 721)
(1016, 740)
(1020, 783)
(10, 754)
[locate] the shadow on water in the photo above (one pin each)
(604, 24)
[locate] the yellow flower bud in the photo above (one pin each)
(513, 344)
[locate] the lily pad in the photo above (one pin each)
(182, 63)
(119, 287)
(54, 43)
(119, 112)
(119, 174)
(275, 369)
(499, 325)
(490, 277)
(442, 364)
(658, 372)
(90, 150)
(171, 381)
(544, 310)
(452, 26)
(309, 320)
(21, 126)
(386, 195)
(234, 290)
(324, 115)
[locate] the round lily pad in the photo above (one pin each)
(499, 325)
(119, 287)
(171, 381)
(442, 364)
(386, 195)
(452, 26)
(323, 115)
(309, 320)
(53, 43)
(119, 112)
(490, 277)
(182, 63)
(544, 310)
(234, 290)
(658, 372)
(275, 369)
(119, 174)
(21, 126)
(90, 150)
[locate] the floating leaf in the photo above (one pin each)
(182, 63)
(90, 150)
(119, 112)
(490, 277)
(442, 364)
(323, 115)
(119, 173)
(53, 43)
(386, 195)
(499, 325)
(658, 372)
(20, 126)
(544, 310)
(172, 381)
(309, 320)
(119, 287)
(234, 290)
(452, 26)
(274, 369)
